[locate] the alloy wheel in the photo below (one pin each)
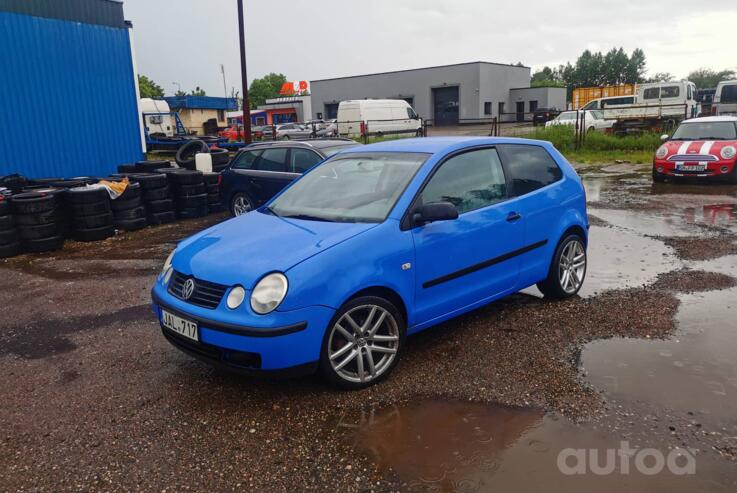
(241, 205)
(572, 266)
(363, 343)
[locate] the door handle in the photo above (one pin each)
(514, 216)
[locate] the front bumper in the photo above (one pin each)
(289, 345)
(713, 171)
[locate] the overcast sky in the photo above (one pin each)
(185, 41)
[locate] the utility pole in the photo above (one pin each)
(244, 77)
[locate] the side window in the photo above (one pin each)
(303, 159)
(469, 181)
(651, 93)
(529, 167)
(245, 159)
(670, 92)
(273, 160)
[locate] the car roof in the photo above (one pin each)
(314, 143)
(706, 119)
(434, 145)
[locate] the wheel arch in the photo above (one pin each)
(385, 292)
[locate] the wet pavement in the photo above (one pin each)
(95, 399)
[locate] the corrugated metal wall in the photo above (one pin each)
(68, 104)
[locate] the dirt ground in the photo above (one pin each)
(94, 398)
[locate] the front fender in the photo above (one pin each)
(373, 258)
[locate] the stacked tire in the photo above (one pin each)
(40, 220)
(220, 159)
(128, 209)
(190, 194)
(157, 198)
(91, 214)
(212, 188)
(143, 167)
(9, 240)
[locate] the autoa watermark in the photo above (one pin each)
(625, 460)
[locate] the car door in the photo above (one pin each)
(534, 181)
(472, 258)
(271, 173)
(239, 177)
(303, 159)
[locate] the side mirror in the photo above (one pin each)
(435, 211)
(664, 137)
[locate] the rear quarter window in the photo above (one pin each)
(651, 93)
(729, 94)
(529, 168)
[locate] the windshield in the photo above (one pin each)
(350, 188)
(706, 131)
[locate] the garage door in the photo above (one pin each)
(446, 103)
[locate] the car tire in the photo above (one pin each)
(285, 137)
(121, 204)
(156, 218)
(153, 194)
(8, 236)
(220, 157)
(94, 234)
(93, 221)
(150, 181)
(4, 207)
(241, 204)
(189, 190)
(85, 195)
(10, 250)
(7, 222)
(186, 177)
(567, 270)
(658, 178)
(130, 214)
(43, 245)
(349, 358)
(40, 231)
(187, 153)
(92, 209)
(131, 224)
(191, 201)
(32, 203)
(156, 206)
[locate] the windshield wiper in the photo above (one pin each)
(307, 217)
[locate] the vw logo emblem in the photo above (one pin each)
(188, 289)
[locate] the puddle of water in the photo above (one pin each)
(653, 223)
(621, 259)
(695, 371)
(470, 447)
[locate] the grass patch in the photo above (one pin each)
(599, 147)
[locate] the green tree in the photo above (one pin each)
(180, 93)
(198, 91)
(546, 77)
(705, 78)
(661, 77)
(265, 88)
(636, 67)
(149, 88)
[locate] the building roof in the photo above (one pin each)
(423, 68)
(100, 12)
(201, 103)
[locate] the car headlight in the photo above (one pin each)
(661, 152)
(236, 297)
(269, 293)
(728, 152)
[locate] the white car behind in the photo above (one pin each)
(592, 119)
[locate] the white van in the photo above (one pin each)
(725, 98)
(157, 117)
(601, 103)
(378, 117)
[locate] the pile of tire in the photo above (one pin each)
(189, 192)
(157, 199)
(9, 240)
(143, 167)
(187, 153)
(128, 209)
(91, 214)
(40, 220)
(212, 188)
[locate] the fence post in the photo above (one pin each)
(366, 133)
(273, 131)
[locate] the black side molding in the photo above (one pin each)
(230, 328)
(482, 265)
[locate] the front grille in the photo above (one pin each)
(205, 294)
(695, 158)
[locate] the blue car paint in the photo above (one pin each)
(328, 263)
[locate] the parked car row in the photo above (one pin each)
(591, 120)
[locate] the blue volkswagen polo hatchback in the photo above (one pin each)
(374, 244)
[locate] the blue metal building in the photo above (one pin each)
(69, 88)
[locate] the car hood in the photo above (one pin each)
(697, 148)
(243, 249)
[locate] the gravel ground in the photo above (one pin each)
(95, 399)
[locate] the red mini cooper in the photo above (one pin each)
(701, 148)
